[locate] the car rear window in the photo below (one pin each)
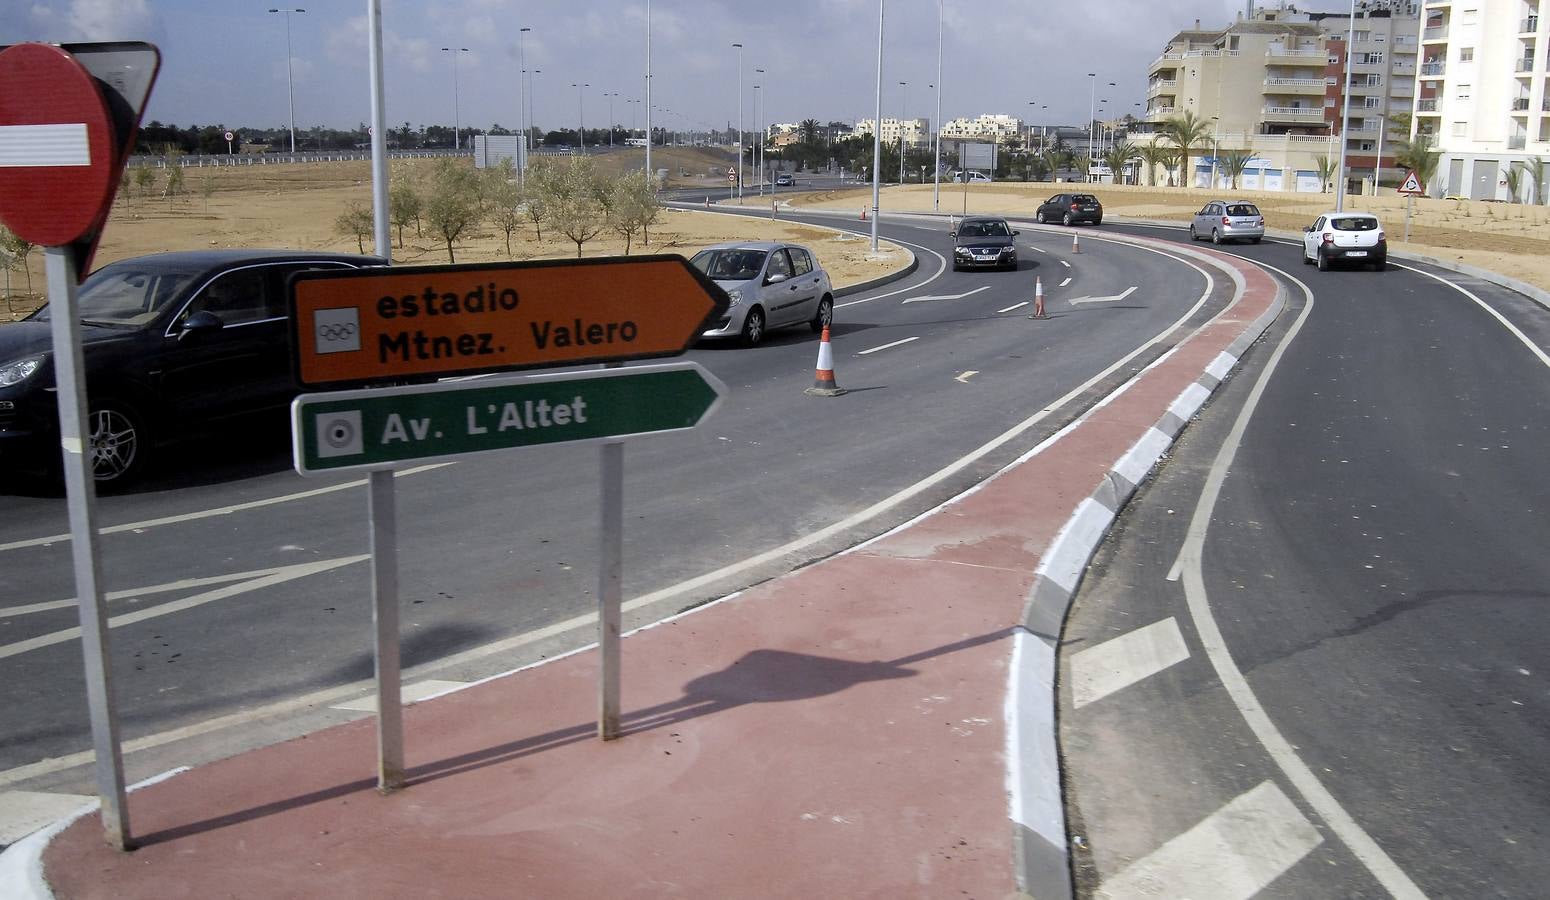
(730, 265)
(1083, 198)
(1242, 209)
(1353, 223)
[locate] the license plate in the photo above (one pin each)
(986, 256)
(1356, 253)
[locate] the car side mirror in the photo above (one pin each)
(200, 322)
(1016, 233)
(777, 278)
(953, 233)
(1307, 229)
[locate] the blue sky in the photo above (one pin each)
(223, 61)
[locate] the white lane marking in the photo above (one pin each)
(1235, 852)
(23, 812)
(1066, 264)
(219, 510)
(698, 582)
(411, 693)
(1188, 567)
(281, 575)
(1013, 306)
(984, 287)
(1120, 296)
(180, 585)
(1037, 249)
(964, 378)
(1120, 662)
(44, 145)
(1064, 283)
(1533, 347)
(886, 346)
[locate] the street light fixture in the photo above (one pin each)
(290, 88)
(1216, 133)
(739, 121)
(522, 100)
(903, 103)
(877, 125)
(456, 121)
(754, 154)
(936, 181)
(610, 96)
(758, 122)
(581, 112)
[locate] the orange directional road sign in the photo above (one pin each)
(362, 325)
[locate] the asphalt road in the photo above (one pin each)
(241, 586)
(1347, 694)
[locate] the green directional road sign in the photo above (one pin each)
(381, 428)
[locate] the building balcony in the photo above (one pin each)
(1516, 142)
(1294, 86)
(1520, 105)
(1161, 87)
(1429, 105)
(1526, 66)
(1285, 57)
(1161, 112)
(1433, 69)
(1293, 114)
(1529, 25)
(1436, 33)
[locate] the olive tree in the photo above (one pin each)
(453, 205)
(404, 206)
(632, 206)
(504, 196)
(355, 221)
(576, 200)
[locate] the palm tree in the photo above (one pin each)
(1185, 131)
(1170, 158)
(809, 129)
(1151, 155)
(1513, 175)
(1234, 163)
(1535, 169)
(1326, 169)
(1117, 157)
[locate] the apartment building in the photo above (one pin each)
(1483, 95)
(915, 132)
(1273, 83)
(994, 128)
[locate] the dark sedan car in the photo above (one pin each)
(984, 241)
(172, 343)
(1069, 209)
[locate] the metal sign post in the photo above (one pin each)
(1410, 187)
(610, 586)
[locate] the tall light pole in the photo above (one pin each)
(456, 121)
(290, 88)
(903, 102)
(758, 166)
(739, 121)
(522, 99)
(532, 111)
(610, 96)
(1345, 114)
(581, 111)
(1092, 119)
(936, 178)
(758, 121)
(649, 171)
(877, 126)
(1216, 132)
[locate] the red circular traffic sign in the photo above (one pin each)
(57, 160)
(230, 136)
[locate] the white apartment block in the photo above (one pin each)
(1273, 84)
(916, 132)
(987, 127)
(1483, 95)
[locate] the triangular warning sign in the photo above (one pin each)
(1411, 184)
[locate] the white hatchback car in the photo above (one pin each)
(771, 285)
(1345, 237)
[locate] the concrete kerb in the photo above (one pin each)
(847, 290)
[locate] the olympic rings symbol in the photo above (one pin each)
(336, 332)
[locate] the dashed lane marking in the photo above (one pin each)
(964, 378)
(1013, 306)
(1235, 852)
(887, 346)
(1066, 282)
(1118, 663)
(1066, 264)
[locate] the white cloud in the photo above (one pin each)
(110, 20)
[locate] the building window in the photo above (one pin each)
(1371, 80)
(1466, 54)
(1364, 35)
(1471, 14)
(1372, 102)
(1460, 129)
(1462, 92)
(1364, 145)
(1371, 59)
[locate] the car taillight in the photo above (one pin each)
(1260, 221)
(1226, 221)
(1380, 237)
(1329, 238)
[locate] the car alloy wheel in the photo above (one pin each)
(1192, 235)
(824, 317)
(1039, 217)
(116, 441)
(753, 327)
(1323, 262)
(1216, 236)
(1067, 219)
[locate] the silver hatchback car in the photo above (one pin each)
(1228, 220)
(771, 285)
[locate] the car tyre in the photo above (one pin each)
(1323, 262)
(1039, 217)
(1192, 235)
(1254, 240)
(753, 327)
(1305, 260)
(118, 441)
(1098, 221)
(824, 316)
(1066, 220)
(1216, 237)
(1379, 264)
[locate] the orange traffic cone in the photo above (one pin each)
(823, 383)
(1076, 243)
(863, 213)
(1038, 299)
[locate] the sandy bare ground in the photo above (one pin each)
(294, 206)
(1512, 239)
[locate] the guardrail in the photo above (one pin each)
(201, 160)
(1432, 68)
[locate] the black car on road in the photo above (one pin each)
(1069, 209)
(984, 241)
(172, 344)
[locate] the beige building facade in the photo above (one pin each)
(1485, 97)
(1273, 84)
(915, 132)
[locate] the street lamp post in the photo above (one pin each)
(877, 125)
(758, 124)
(1216, 132)
(1092, 119)
(903, 102)
(456, 121)
(610, 96)
(936, 181)
(1345, 114)
(739, 120)
(647, 101)
(522, 100)
(581, 112)
(290, 88)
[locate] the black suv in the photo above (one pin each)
(984, 241)
(172, 343)
(1069, 209)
